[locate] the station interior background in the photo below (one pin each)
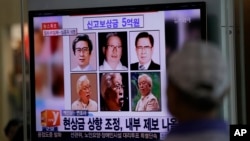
(11, 67)
(12, 56)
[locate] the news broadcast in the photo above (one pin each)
(101, 73)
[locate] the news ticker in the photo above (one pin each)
(239, 132)
(78, 120)
(66, 136)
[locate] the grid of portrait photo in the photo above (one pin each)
(116, 71)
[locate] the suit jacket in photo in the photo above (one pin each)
(152, 66)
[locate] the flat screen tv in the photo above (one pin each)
(100, 73)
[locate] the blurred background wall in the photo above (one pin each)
(10, 62)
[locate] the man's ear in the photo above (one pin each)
(103, 50)
(152, 49)
(150, 85)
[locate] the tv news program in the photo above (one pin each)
(102, 98)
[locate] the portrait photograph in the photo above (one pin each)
(83, 52)
(145, 91)
(113, 51)
(114, 91)
(145, 50)
(84, 92)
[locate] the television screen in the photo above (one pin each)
(101, 73)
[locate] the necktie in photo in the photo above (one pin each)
(141, 67)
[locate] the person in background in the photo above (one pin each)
(144, 47)
(113, 53)
(12, 128)
(112, 92)
(197, 83)
(147, 102)
(19, 135)
(83, 89)
(82, 48)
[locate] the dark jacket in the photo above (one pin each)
(152, 66)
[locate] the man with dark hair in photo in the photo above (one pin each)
(147, 102)
(112, 92)
(197, 83)
(83, 89)
(144, 46)
(82, 48)
(112, 51)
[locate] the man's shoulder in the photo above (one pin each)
(89, 68)
(124, 68)
(76, 69)
(152, 99)
(151, 96)
(101, 67)
(76, 104)
(154, 66)
(134, 66)
(92, 102)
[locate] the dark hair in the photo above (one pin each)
(19, 136)
(11, 123)
(82, 37)
(144, 35)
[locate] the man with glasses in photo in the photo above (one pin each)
(144, 46)
(83, 89)
(112, 51)
(82, 48)
(112, 92)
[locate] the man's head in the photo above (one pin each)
(112, 90)
(82, 48)
(198, 79)
(11, 128)
(112, 48)
(144, 84)
(83, 89)
(144, 43)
